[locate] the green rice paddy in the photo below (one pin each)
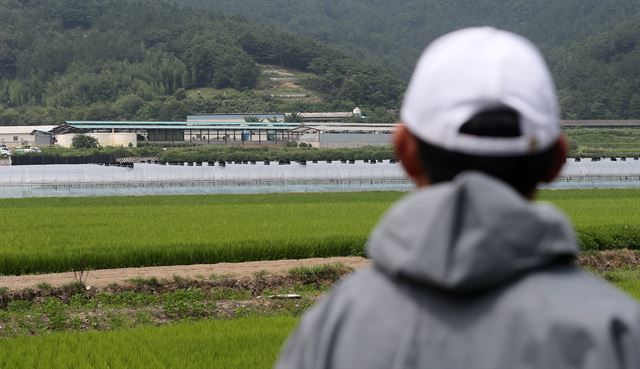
(63, 234)
(251, 342)
(603, 219)
(587, 141)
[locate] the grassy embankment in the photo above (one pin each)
(63, 234)
(248, 328)
(151, 301)
(249, 341)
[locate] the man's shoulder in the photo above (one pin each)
(554, 292)
(397, 321)
(570, 291)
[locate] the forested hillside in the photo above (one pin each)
(590, 44)
(599, 77)
(120, 59)
(145, 59)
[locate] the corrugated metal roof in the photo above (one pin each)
(176, 127)
(186, 125)
(293, 127)
(7, 130)
(106, 122)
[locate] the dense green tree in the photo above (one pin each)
(7, 57)
(294, 117)
(81, 141)
(128, 105)
(253, 119)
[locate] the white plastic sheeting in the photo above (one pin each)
(153, 179)
(629, 167)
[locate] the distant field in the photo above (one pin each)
(62, 234)
(46, 235)
(604, 141)
(241, 343)
(603, 219)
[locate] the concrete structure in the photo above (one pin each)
(43, 138)
(104, 139)
(21, 136)
(351, 140)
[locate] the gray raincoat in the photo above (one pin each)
(469, 274)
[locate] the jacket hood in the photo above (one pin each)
(471, 233)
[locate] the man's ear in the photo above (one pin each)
(407, 150)
(560, 151)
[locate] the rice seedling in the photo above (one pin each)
(64, 234)
(603, 219)
(251, 342)
(49, 235)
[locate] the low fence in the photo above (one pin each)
(47, 159)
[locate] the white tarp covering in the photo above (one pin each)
(153, 179)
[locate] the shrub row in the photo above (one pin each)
(210, 154)
(202, 154)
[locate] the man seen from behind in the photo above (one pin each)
(467, 271)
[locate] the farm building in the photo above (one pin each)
(121, 139)
(230, 130)
(111, 133)
(195, 132)
(22, 136)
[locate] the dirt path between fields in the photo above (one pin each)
(601, 261)
(105, 277)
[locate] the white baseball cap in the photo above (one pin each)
(473, 70)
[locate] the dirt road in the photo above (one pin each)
(104, 277)
(601, 261)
